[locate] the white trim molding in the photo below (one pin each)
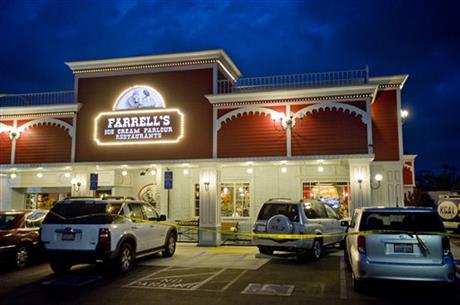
(47, 121)
(241, 111)
(42, 109)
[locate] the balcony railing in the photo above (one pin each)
(295, 81)
(36, 99)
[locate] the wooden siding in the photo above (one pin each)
(385, 126)
(407, 174)
(329, 133)
(43, 144)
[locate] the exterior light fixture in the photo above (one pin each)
(186, 171)
(39, 175)
(284, 169)
(124, 172)
(283, 161)
(250, 170)
(67, 174)
(206, 186)
(377, 178)
(14, 133)
(13, 175)
(320, 169)
(153, 172)
(404, 115)
(360, 179)
(76, 184)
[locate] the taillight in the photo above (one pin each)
(104, 238)
(445, 246)
(362, 244)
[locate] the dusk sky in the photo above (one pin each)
(420, 38)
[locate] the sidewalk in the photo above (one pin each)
(189, 255)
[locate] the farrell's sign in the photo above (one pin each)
(139, 118)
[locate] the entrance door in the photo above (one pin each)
(335, 194)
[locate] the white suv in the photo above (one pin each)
(284, 216)
(89, 230)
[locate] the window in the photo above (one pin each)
(234, 199)
(196, 202)
(314, 210)
(135, 212)
(270, 210)
(407, 221)
(330, 212)
(150, 212)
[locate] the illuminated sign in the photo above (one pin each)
(139, 117)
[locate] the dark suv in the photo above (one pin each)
(19, 235)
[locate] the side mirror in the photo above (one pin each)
(162, 218)
(344, 223)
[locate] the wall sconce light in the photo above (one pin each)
(39, 175)
(75, 184)
(206, 186)
(404, 115)
(13, 176)
(377, 178)
(124, 172)
(286, 122)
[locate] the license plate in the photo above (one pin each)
(403, 248)
(260, 228)
(68, 236)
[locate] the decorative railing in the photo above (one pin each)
(295, 81)
(34, 99)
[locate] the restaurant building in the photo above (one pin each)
(187, 133)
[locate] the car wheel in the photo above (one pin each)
(358, 285)
(265, 250)
(60, 266)
(170, 246)
(125, 259)
(22, 256)
(316, 250)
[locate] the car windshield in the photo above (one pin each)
(402, 221)
(7, 221)
(83, 212)
(270, 210)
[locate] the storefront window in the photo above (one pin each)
(42, 200)
(335, 194)
(234, 199)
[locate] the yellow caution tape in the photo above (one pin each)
(268, 235)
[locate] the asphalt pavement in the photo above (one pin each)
(278, 280)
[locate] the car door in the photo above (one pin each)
(333, 224)
(140, 226)
(157, 230)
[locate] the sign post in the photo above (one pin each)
(168, 186)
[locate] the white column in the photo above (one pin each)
(360, 188)
(209, 207)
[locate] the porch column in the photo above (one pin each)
(209, 207)
(360, 187)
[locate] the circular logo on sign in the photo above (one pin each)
(138, 97)
(147, 194)
(447, 210)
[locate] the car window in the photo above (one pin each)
(35, 219)
(314, 210)
(269, 210)
(150, 212)
(82, 212)
(405, 221)
(7, 221)
(135, 212)
(330, 212)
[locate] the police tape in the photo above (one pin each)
(275, 236)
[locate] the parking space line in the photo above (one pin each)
(209, 279)
(147, 276)
(343, 279)
(234, 280)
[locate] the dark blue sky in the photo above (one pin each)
(421, 38)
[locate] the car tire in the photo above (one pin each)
(316, 249)
(22, 256)
(266, 250)
(170, 246)
(125, 258)
(358, 285)
(60, 266)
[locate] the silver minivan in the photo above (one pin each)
(398, 244)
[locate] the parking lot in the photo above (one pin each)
(225, 275)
